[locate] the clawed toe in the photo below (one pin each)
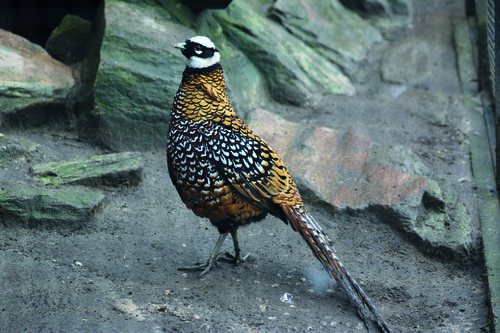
(230, 258)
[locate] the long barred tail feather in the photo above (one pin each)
(320, 244)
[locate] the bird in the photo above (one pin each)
(225, 172)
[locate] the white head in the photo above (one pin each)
(199, 51)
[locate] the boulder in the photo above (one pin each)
(294, 72)
(31, 80)
(48, 208)
(387, 8)
(329, 28)
(11, 148)
(407, 61)
(133, 72)
(112, 170)
(68, 42)
(351, 173)
(384, 14)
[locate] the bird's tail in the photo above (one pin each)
(322, 246)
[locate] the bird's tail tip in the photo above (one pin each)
(322, 246)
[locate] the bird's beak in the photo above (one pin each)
(180, 46)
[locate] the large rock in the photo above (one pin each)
(68, 42)
(384, 8)
(352, 173)
(134, 71)
(293, 71)
(11, 148)
(337, 33)
(30, 79)
(112, 170)
(407, 61)
(48, 208)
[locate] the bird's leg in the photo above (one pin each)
(211, 260)
(236, 259)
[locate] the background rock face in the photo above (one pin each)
(136, 70)
(328, 27)
(294, 73)
(285, 52)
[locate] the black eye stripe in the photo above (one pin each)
(193, 49)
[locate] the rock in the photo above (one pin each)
(351, 173)
(130, 80)
(68, 42)
(402, 7)
(384, 14)
(113, 170)
(369, 7)
(293, 71)
(431, 107)
(30, 77)
(207, 4)
(48, 208)
(134, 72)
(337, 33)
(11, 148)
(381, 7)
(406, 61)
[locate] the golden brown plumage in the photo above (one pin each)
(224, 171)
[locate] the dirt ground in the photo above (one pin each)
(119, 274)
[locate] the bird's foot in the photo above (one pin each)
(211, 262)
(230, 258)
(204, 267)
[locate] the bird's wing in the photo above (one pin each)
(215, 94)
(248, 163)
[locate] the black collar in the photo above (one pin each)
(206, 70)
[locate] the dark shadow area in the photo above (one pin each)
(36, 19)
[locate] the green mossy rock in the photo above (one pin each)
(11, 148)
(48, 208)
(68, 42)
(294, 72)
(132, 72)
(112, 170)
(138, 72)
(329, 28)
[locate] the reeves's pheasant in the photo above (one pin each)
(225, 172)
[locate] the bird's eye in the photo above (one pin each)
(197, 48)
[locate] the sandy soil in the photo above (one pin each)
(119, 274)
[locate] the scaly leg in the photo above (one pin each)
(206, 267)
(214, 257)
(236, 258)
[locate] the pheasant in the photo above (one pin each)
(223, 171)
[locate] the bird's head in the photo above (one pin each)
(199, 51)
